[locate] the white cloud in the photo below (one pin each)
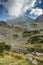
(14, 7)
(36, 11)
(18, 7)
(28, 5)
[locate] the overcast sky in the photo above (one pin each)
(14, 8)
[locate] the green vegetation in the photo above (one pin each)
(35, 39)
(35, 32)
(26, 34)
(35, 49)
(30, 33)
(15, 36)
(37, 42)
(4, 46)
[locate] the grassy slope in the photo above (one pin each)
(10, 58)
(13, 59)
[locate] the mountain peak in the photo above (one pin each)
(39, 19)
(20, 20)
